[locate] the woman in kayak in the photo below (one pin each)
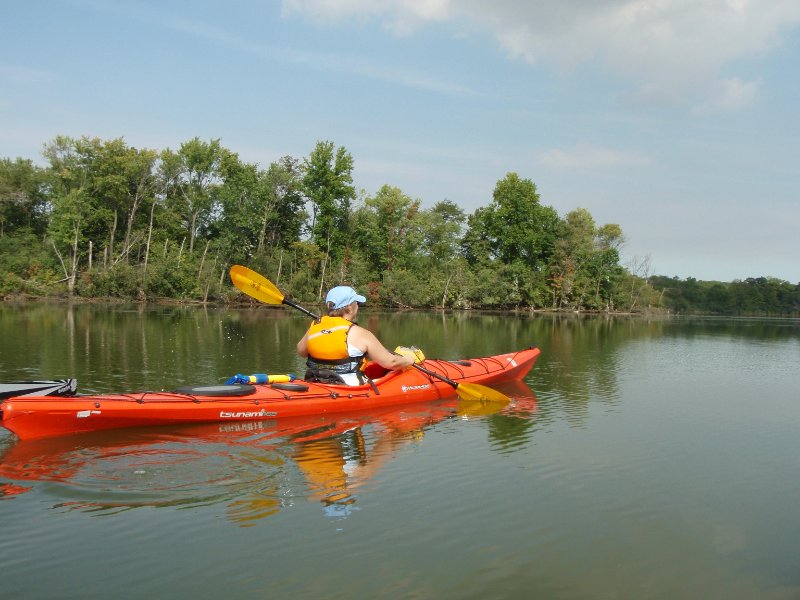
(336, 348)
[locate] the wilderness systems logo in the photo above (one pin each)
(85, 414)
(260, 414)
(409, 388)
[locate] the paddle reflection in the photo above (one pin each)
(254, 469)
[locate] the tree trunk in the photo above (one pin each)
(203, 259)
(137, 200)
(112, 235)
(280, 268)
(324, 265)
(191, 233)
(74, 266)
(147, 249)
(263, 235)
(446, 287)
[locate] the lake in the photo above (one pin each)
(639, 459)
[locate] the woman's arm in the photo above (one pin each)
(302, 346)
(365, 340)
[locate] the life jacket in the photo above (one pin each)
(328, 351)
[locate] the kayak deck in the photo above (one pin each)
(45, 416)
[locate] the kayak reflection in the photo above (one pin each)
(254, 469)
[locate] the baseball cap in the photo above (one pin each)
(343, 295)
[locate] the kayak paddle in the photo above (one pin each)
(262, 289)
(468, 391)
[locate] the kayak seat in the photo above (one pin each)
(323, 376)
(374, 371)
(290, 387)
(241, 389)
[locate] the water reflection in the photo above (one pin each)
(254, 469)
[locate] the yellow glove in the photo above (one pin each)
(413, 352)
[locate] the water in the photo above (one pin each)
(640, 460)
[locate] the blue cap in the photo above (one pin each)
(343, 295)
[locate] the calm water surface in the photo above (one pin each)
(641, 459)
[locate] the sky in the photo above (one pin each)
(679, 120)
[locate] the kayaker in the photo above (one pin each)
(336, 348)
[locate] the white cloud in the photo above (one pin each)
(399, 16)
(586, 156)
(669, 49)
(728, 95)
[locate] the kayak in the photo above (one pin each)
(40, 416)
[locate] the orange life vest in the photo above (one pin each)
(327, 346)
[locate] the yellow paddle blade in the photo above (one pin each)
(473, 391)
(479, 408)
(255, 285)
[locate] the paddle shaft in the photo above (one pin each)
(301, 309)
(467, 391)
(419, 367)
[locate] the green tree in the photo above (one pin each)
(76, 214)
(283, 216)
(122, 181)
(518, 232)
(366, 242)
(443, 267)
(397, 227)
(138, 168)
(585, 262)
(328, 184)
(442, 232)
(23, 196)
(242, 194)
(476, 244)
(520, 228)
(193, 173)
(573, 250)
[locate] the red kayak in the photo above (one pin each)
(41, 416)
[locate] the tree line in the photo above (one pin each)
(754, 296)
(105, 219)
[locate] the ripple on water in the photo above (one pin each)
(137, 470)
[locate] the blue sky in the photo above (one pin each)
(677, 119)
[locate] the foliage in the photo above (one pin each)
(106, 219)
(760, 296)
(395, 236)
(584, 266)
(518, 227)
(192, 177)
(328, 184)
(120, 281)
(23, 197)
